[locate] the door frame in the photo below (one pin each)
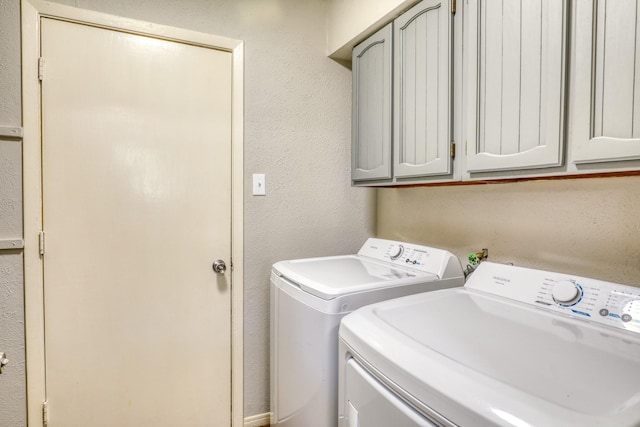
(32, 11)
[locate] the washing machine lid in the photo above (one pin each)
(330, 277)
(482, 360)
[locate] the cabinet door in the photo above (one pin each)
(515, 54)
(606, 81)
(422, 90)
(371, 125)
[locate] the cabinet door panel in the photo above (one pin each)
(531, 91)
(606, 95)
(422, 90)
(371, 138)
(515, 84)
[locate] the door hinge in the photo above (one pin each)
(453, 150)
(41, 242)
(40, 68)
(45, 412)
(453, 7)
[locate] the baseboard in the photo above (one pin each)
(260, 420)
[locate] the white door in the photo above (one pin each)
(136, 158)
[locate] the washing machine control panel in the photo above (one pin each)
(424, 258)
(589, 299)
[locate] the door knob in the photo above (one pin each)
(3, 361)
(219, 266)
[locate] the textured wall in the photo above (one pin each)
(10, 188)
(10, 107)
(297, 132)
(12, 381)
(588, 227)
(350, 21)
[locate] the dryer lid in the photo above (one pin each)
(330, 277)
(482, 360)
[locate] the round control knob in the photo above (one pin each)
(395, 251)
(566, 292)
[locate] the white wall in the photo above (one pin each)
(588, 227)
(297, 131)
(351, 21)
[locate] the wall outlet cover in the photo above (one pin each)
(259, 184)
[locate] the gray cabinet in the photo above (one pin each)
(422, 91)
(542, 88)
(605, 108)
(515, 83)
(420, 108)
(371, 122)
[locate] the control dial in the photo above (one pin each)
(566, 292)
(395, 251)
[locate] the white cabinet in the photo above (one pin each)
(422, 91)
(605, 108)
(515, 83)
(420, 108)
(371, 121)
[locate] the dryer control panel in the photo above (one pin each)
(590, 299)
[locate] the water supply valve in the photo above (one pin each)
(475, 259)
(478, 257)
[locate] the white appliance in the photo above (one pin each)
(514, 347)
(308, 299)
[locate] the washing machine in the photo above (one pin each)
(514, 347)
(309, 297)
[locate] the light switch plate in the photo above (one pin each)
(259, 184)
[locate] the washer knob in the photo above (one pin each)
(395, 251)
(566, 292)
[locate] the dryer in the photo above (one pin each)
(515, 347)
(310, 296)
